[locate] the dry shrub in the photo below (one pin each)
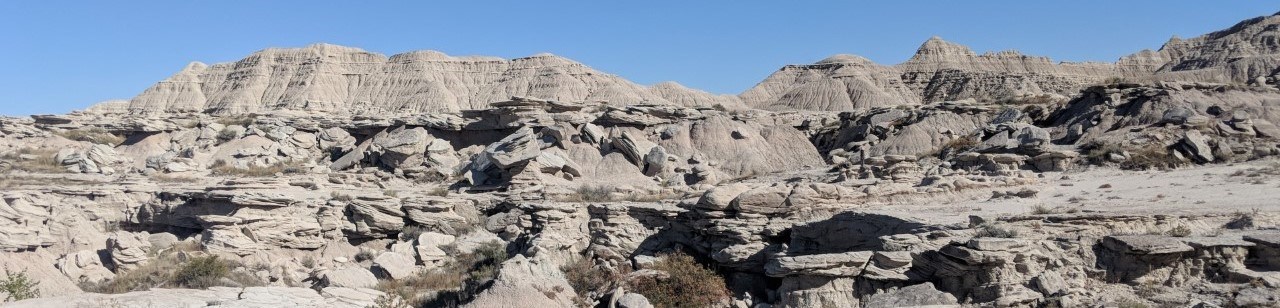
(585, 277)
(1151, 157)
(92, 134)
(688, 284)
(454, 283)
(241, 120)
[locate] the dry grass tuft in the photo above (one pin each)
(222, 168)
(92, 134)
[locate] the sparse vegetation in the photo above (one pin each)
(165, 270)
(959, 145)
(1151, 157)
(17, 286)
(94, 135)
(32, 160)
(1258, 175)
(604, 193)
(1179, 231)
(688, 283)
(990, 230)
(1148, 157)
(453, 283)
(340, 196)
(222, 168)
(1242, 220)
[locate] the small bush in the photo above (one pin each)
(340, 196)
(94, 135)
(988, 230)
(17, 286)
(364, 255)
(411, 232)
(1180, 231)
(201, 272)
(1041, 209)
(688, 284)
(227, 134)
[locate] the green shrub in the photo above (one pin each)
(17, 286)
(688, 283)
(201, 272)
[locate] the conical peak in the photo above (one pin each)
(935, 46)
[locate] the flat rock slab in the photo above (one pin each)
(1221, 241)
(1146, 244)
(848, 264)
(995, 243)
(1271, 239)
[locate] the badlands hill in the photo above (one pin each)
(942, 70)
(328, 176)
(335, 79)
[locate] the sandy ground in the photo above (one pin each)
(1215, 189)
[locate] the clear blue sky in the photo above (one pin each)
(64, 55)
